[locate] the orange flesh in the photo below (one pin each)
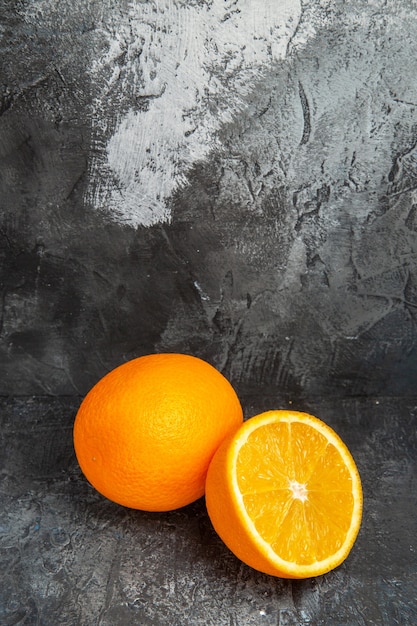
(296, 510)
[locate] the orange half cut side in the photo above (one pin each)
(285, 495)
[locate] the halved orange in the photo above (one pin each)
(285, 495)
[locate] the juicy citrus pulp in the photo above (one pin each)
(284, 494)
(145, 434)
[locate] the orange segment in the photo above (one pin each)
(285, 495)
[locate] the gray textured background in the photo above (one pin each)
(289, 262)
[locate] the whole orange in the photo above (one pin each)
(145, 434)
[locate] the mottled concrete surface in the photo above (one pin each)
(236, 180)
(290, 254)
(68, 556)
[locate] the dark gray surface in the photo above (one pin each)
(290, 258)
(68, 556)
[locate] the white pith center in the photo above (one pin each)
(299, 491)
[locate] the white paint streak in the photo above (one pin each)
(193, 66)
